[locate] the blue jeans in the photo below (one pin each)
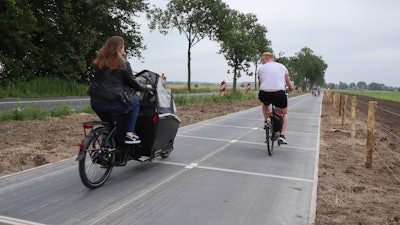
(102, 111)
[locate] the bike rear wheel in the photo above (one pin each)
(96, 165)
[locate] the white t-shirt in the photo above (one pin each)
(272, 76)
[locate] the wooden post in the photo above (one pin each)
(370, 133)
(337, 101)
(340, 104)
(334, 100)
(328, 93)
(353, 116)
(344, 110)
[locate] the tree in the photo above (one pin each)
(196, 19)
(289, 64)
(330, 85)
(262, 45)
(352, 85)
(17, 23)
(237, 41)
(309, 68)
(361, 85)
(69, 32)
(376, 86)
(342, 85)
(78, 29)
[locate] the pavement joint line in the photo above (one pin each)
(301, 132)
(307, 115)
(14, 221)
(281, 147)
(230, 126)
(203, 138)
(147, 191)
(243, 142)
(197, 166)
(252, 128)
(299, 123)
(123, 205)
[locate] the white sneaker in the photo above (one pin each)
(282, 140)
(132, 140)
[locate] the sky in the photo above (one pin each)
(358, 39)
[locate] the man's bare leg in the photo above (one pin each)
(265, 109)
(285, 120)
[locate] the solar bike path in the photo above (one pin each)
(218, 173)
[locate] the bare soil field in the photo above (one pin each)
(348, 193)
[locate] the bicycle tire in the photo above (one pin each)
(96, 165)
(269, 130)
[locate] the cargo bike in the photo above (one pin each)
(103, 147)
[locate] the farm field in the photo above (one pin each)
(387, 95)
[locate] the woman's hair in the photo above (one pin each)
(109, 56)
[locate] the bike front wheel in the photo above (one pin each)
(96, 164)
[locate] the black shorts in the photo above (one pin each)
(278, 98)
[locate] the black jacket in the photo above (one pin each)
(108, 87)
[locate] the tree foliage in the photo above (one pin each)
(60, 37)
(262, 45)
(196, 19)
(17, 51)
(309, 69)
(239, 37)
(362, 85)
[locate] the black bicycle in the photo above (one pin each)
(101, 150)
(273, 126)
(157, 124)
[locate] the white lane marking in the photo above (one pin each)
(109, 213)
(245, 142)
(191, 166)
(127, 203)
(197, 166)
(14, 221)
(222, 125)
(255, 174)
(313, 204)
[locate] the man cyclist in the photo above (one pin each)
(273, 78)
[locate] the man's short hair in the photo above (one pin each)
(268, 54)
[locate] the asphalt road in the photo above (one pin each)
(218, 173)
(74, 102)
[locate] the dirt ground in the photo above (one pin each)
(348, 193)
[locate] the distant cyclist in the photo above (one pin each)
(273, 79)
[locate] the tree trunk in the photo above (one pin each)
(255, 78)
(234, 81)
(188, 65)
(305, 84)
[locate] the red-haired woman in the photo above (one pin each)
(112, 78)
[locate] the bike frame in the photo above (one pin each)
(271, 135)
